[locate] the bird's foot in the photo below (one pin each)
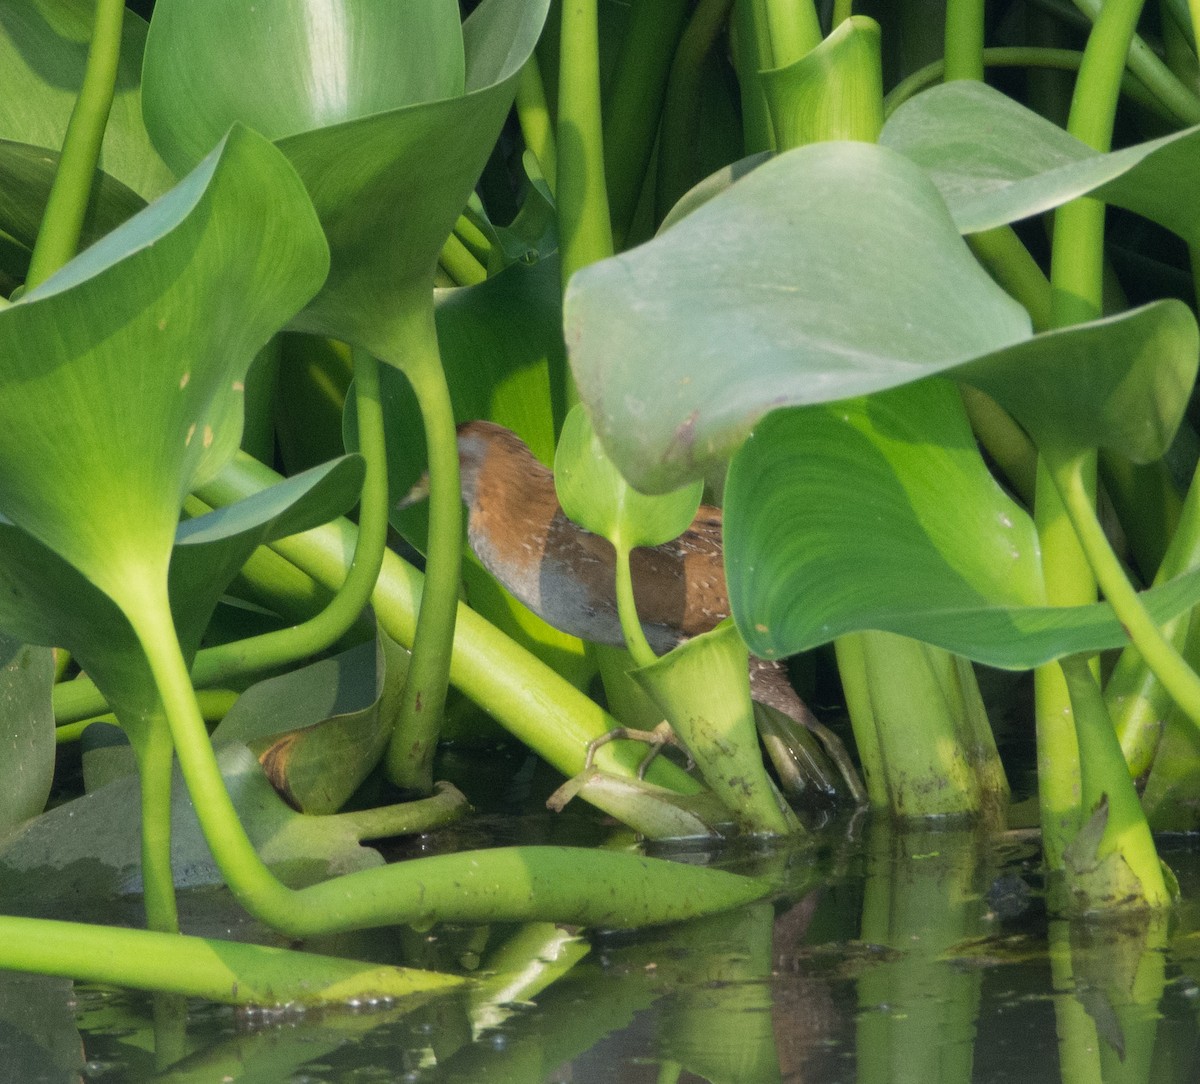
(662, 735)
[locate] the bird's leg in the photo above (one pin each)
(660, 736)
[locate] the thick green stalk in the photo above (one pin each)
(226, 972)
(635, 100)
(419, 719)
(792, 27)
(1077, 277)
(585, 229)
(842, 10)
(752, 55)
(460, 264)
(1143, 61)
(533, 114)
(155, 755)
(284, 646)
(506, 884)
(1105, 777)
(680, 107)
(62, 223)
(964, 39)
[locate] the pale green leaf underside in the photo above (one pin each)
(830, 272)
(995, 161)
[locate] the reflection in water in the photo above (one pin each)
(922, 956)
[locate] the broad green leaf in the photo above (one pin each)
(318, 731)
(994, 162)
(1121, 383)
(878, 513)
(44, 600)
(43, 48)
(831, 271)
(389, 161)
(26, 731)
(86, 852)
(594, 495)
(151, 322)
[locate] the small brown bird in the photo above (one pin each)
(567, 575)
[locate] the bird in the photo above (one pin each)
(567, 576)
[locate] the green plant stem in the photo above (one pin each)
(842, 10)
(1143, 61)
(447, 805)
(62, 223)
(1077, 277)
(964, 40)
(1180, 680)
(585, 229)
(635, 638)
(459, 263)
(637, 90)
(1037, 57)
(752, 56)
(680, 105)
(214, 706)
(1104, 776)
(283, 646)
(222, 971)
(473, 238)
(419, 717)
(155, 755)
(533, 115)
(792, 27)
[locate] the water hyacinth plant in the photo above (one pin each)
(756, 334)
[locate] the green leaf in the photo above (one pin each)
(879, 514)
(994, 162)
(26, 174)
(319, 730)
(390, 161)
(594, 495)
(26, 731)
(43, 48)
(834, 271)
(44, 600)
(831, 271)
(85, 853)
(1120, 383)
(151, 320)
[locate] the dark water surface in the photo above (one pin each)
(924, 957)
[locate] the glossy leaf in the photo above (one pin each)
(878, 513)
(830, 272)
(151, 319)
(594, 495)
(390, 162)
(43, 47)
(994, 162)
(44, 600)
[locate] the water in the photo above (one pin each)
(926, 957)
